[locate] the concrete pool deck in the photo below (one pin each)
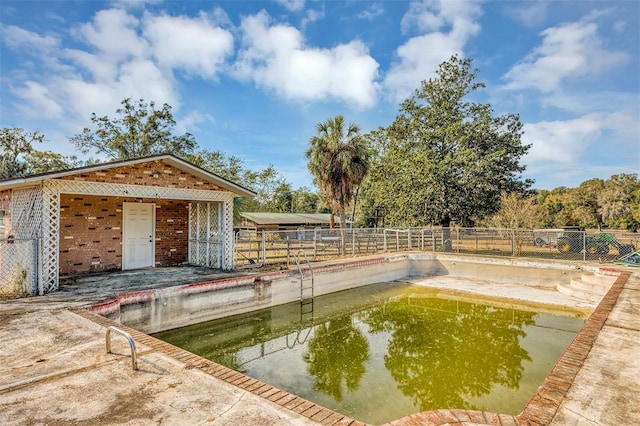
(55, 370)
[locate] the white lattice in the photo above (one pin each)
(227, 221)
(49, 243)
(206, 247)
(35, 212)
(126, 190)
(26, 212)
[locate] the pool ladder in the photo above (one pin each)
(306, 281)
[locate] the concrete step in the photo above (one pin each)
(588, 295)
(589, 286)
(591, 283)
(597, 278)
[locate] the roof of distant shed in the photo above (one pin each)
(288, 218)
(168, 159)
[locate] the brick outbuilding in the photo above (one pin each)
(146, 212)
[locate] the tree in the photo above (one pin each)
(305, 200)
(15, 145)
(516, 213)
(615, 201)
(139, 130)
(584, 203)
(338, 160)
(48, 161)
(448, 159)
(270, 186)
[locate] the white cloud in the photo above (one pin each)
(195, 45)
(275, 57)
(292, 5)
(530, 13)
(448, 26)
(115, 34)
(18, 38)
(566, 142)
(372, 12)
(313, 15)
(433, 15)
(118, 55)
(189, 122)
(39, 101)
(561, 141)
(570, 51)
(133, 4)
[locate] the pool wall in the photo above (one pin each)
(158, 310)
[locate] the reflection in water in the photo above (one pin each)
(384, 351)
(442, 351)
(330, 363)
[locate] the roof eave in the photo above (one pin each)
(172, 160)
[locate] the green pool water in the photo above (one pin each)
(383, 351)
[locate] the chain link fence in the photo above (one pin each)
(18, 267)
(276, 247)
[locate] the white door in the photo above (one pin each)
(138, 246)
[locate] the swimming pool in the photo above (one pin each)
(385, 350)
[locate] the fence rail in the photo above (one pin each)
(273, 247)
(19, 257)
(18, 267)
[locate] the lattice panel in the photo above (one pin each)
(26, 212)
(125, 190)
(205, 230)
(49, 243)
(227, 220)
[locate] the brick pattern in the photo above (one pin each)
(91, 226)
(151, 173)
(91, 232)
(172, 232)
(270, 393)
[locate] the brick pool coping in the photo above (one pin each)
(540, 409)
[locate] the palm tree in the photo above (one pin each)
(339, 161)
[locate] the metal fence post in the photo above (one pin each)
(513, 242)
(584, 245)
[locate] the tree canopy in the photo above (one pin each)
(18, 157)
(139, 130)
(339, 161)
(445, 158)
(16, 144)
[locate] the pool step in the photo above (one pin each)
(589, 286)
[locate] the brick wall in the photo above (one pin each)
(143, 174)
(172, 232)
(91, 232)
(91, 226)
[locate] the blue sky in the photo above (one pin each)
(252, 78)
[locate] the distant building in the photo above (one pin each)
(286, 221)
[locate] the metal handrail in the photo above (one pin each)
(296, 257)
(132, 344)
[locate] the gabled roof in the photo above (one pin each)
(288, 218)
(168, 159)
